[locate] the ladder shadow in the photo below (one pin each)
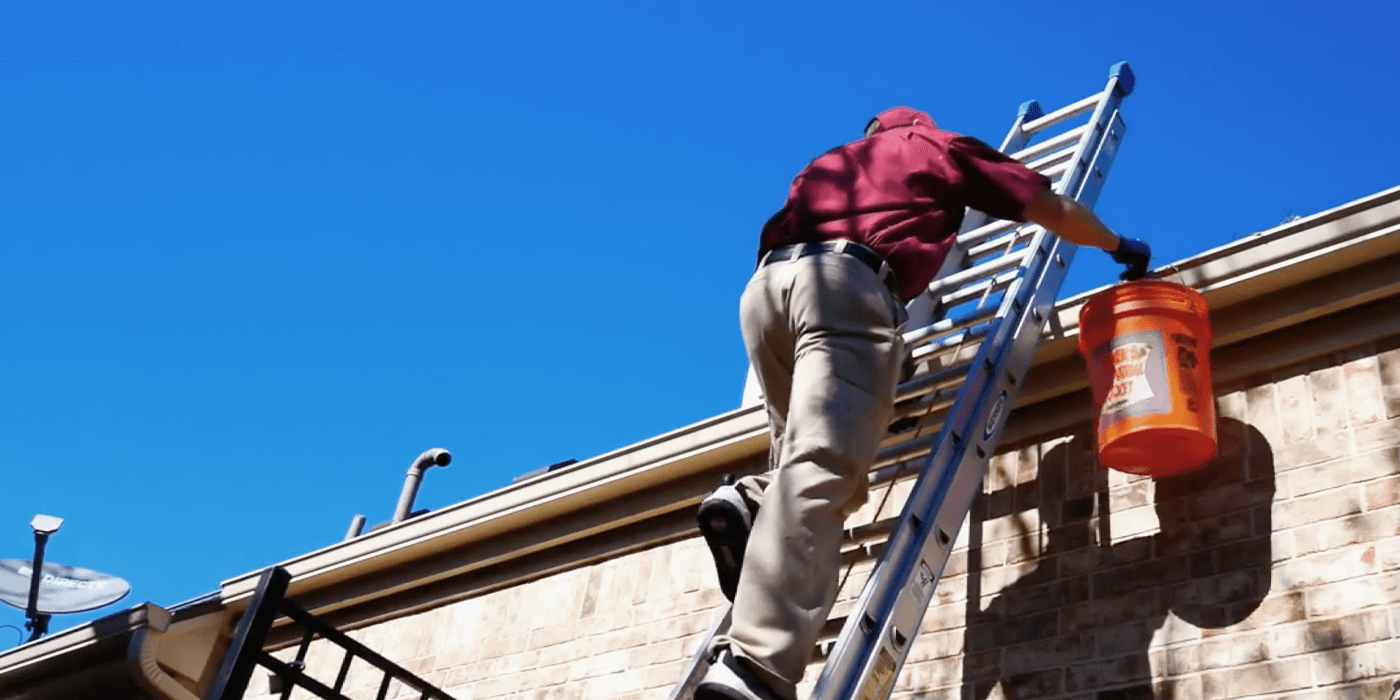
(1081, 622)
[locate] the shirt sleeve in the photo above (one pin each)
(993, 182)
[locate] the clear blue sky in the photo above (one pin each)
(256, 257)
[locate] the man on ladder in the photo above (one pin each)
(865, 229)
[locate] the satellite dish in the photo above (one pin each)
(63, 589)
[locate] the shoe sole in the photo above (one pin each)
(716, 692)
(727, 535)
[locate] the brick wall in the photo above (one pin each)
(1273, 573)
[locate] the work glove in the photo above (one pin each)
(1133, 254)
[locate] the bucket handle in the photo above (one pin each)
(1167, 273)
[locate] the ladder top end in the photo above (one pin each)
(1030, 110)
(1124, 74)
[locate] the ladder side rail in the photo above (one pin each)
(879, 644)
(695, 668)
(244, 651)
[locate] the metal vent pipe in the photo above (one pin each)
(436, 457)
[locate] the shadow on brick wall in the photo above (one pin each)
(1080, 623)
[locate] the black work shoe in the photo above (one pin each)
(725, 521)
(729, 679)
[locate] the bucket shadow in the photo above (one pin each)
(1082, 621)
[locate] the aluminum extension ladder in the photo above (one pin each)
(978, 328)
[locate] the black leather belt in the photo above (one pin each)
(843, 247)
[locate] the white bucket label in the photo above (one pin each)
(1138, 383)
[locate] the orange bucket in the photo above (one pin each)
(1147, 345)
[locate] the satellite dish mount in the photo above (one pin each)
(44, 526)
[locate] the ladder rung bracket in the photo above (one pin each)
(1049, 145)
(1062, 114)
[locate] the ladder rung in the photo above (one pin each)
(985, 270)
(904, 451)
(864, 552)
(986, 232)
(1043, 165)
(1058, 171)
(826, 638)
(982, 252)
(898, 470)
(1061, 114)
(929, 405)
(939, 379)
(953, 352)
(947, 352)
(946, 327)
(1026, 154)
(970, 292)
(869, 532)
(930, 397)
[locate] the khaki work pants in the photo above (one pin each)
(824, 336)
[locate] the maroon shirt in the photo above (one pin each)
(901, 192)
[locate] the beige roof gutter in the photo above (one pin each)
(1343, 238)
